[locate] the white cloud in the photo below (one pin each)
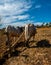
(37, 6)
(14, 7)
(38, 23)
(10, 19)
(18, 23)
(21, 17)
(13, 24)
(29, 21)
(17, 7)
(9, 9)
(7, 20)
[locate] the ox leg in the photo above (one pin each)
(32, 38)
(9, 55)
(26, 43)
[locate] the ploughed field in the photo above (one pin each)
(38, 52)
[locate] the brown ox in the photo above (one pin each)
(14, 31)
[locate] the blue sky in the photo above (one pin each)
(20, 12)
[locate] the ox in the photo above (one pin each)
(14, 31)
(30, 31)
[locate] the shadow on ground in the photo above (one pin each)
(42, 43)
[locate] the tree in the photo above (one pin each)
(42, 24)
(50, 24)
(47, 24)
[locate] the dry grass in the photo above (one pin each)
(33, 55)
